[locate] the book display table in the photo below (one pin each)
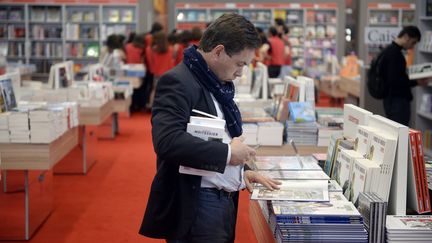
(26, 195)
(93, 121)
(259, 224)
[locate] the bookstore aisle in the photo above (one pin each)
(108, 203)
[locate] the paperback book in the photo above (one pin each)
(294, 190)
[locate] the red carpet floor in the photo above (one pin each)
(108, 203)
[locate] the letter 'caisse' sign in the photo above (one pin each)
(380, 35)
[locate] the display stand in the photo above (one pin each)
(82, 157)
(120, 106)
(26, 197)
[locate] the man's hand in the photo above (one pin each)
(251, 177)
(240, 152)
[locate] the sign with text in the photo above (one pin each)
(380, 35)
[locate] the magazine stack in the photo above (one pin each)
(410, 228)
(303, 133)
(317, 222)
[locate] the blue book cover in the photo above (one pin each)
(302, 111)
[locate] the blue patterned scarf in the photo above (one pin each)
(222, 91)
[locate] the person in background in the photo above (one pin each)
(283, 32)
(192, 208)
(196, 35)
(131, 38)
(276, 53)
(261, 53)
(113, 55)
(156, 27)
(173, 41)
(184, 39)
(135, 50)
(397, 104)
(159, 57)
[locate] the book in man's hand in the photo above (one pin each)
(208, 129)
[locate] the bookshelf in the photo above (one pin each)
(312, 25)
(379, 22)
(423, 118)
(49, 32)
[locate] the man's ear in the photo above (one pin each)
(217, 51)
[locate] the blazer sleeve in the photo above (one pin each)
(171, 110)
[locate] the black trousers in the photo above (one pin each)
(274, 71)
(398, 109)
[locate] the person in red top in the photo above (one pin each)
(159, 57)
(277, 53)
(135, 50)
(283, 32)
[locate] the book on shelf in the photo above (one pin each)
(16, 15)
(363, 174)
(363, 139)
(294, 190)
(302, 111)
(343, 167)
(295, 175)
(415, 199)
(3, 14)
(422, 170)
(89, 16)
(382, 151)
(353, 117)
(76, 16)
(7, 95)
(428, 8)
(113, 15)
(335, 139)
(37, 14)
(53, 15)
(373, 209)
(127, 15)
(208, 129)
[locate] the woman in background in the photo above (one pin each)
(159, 57)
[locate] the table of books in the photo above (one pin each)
(94, 123)
(26, 194)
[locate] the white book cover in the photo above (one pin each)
(296, 175)
(363, 139)
(286, 163)
(382, 151)
(316, 209)
(416, 223)
(363, 173)
(343, 168)
(207, 133)
(353, 117)
(270, 134)
(294, 190)
(250, 133)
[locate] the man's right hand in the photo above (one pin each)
(240, 152)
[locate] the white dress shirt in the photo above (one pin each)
(232, 178)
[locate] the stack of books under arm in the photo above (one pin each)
(409, 228)
(302, 127)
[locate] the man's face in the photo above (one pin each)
(227, 68)
(410, 43)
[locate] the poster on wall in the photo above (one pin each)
(380, 35)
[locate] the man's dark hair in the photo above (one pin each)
(411, 31)
(156, 27)
(233, 31)
(273, 31)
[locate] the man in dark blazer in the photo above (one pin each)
(191, 208)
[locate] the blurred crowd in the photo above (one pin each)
(160, 52)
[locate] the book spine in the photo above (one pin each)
(416, 170)
(420, 156)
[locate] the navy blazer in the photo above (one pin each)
(171, 206)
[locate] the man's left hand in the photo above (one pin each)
(251, 177)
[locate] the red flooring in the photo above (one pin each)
(108, 203)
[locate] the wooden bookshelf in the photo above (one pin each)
(16, 156)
